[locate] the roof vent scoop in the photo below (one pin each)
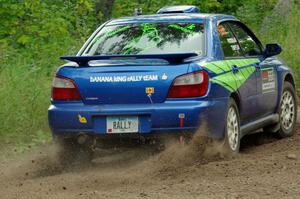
(178, 9)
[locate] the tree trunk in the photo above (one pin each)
(279, 14)
(105, 7)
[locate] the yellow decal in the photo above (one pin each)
(150, 90)
(82, 119)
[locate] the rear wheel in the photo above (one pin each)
(287, 111)
(232, 128)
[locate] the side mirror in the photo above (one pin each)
(272, 50)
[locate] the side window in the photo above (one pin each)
(247, 43)
(229, 44)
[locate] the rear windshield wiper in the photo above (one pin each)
(175, 58)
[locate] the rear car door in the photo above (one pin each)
(265, 69)
(243, 76)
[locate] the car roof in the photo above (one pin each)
(174, 17)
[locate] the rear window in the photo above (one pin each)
(149, 38)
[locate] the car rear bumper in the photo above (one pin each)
(153, 118)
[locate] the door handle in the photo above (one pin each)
(257, 66)
(235, 68)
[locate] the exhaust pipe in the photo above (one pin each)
(82, 138)
(86, 141)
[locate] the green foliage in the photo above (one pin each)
(104, 10)
(285, 30)
(25, 80)
(33, 35)
(32, 23)
(125, 8)
(254, 11)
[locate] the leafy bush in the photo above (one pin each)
(33, 35)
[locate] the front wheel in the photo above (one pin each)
(232, 127)
(287, 111)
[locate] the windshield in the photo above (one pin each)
(149, 38)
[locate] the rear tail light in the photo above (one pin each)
(64, 89)
(189, 85)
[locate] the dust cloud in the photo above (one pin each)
(197, 168)
(199, 149)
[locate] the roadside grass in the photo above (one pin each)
(25, 86)
(286, 31)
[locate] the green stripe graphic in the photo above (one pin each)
(226, 78)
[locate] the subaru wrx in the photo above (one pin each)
(168, 73)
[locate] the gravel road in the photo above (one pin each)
(266, 168)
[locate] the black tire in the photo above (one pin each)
(288, 89)
(70, 152)
(232, 145)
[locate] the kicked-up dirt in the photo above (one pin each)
(266, 168)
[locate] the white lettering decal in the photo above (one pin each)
(137, 78)
(268, 80)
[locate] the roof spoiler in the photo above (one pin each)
(178, 9)
(171, 58)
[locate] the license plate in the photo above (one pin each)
(122, 124)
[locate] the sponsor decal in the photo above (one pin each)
(231, 40)
(91, 98)
(82, 119)
(268, 80)
(149, 90)
(164, 77)
(134, 78)
(235, 47)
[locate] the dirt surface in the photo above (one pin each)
(265, 168)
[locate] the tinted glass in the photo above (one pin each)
(247, 43)
(149, 38)
(229, 43)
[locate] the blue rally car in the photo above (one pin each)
(166, 73)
